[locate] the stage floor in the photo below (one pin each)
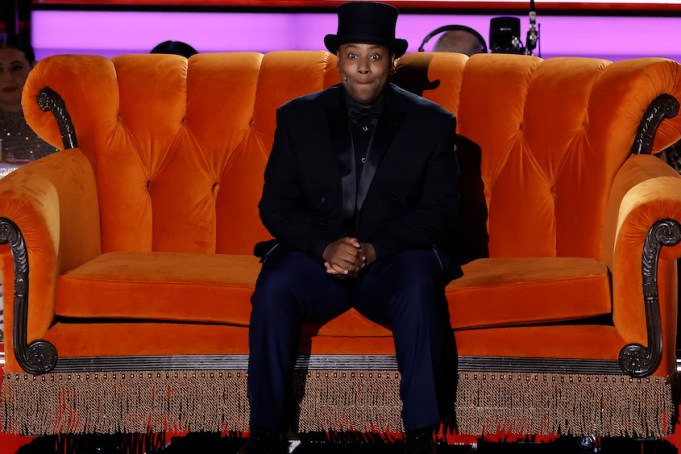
(212, 443)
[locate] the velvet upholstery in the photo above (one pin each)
(139, 241)
(216, 288)
(96, 339)
(173, 152)
(553, 289)
(160, 286)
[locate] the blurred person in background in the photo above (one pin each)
(19, 142)
(175, 48)
(463, 40)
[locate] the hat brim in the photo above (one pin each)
(397, 45)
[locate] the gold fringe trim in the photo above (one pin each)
(362, 401)
(127, 402)
(543, 404)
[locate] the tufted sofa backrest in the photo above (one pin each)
(553, 135)
(179, 147)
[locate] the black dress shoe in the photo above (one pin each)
(419, 442)
(262, 441)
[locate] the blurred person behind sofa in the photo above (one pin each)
(175, 48)
(19, 142)
(461, 39)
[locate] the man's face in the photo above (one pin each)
(364, 70)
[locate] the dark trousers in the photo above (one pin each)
(405, 291)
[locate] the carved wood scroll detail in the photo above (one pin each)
(49, 99)
(664, 106)
(39, 356)
(635, 359)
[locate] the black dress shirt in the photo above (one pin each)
(363, 121)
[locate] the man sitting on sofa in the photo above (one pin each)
(360, 193)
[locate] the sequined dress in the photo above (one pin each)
(19, 142)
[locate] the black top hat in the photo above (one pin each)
(366, 22)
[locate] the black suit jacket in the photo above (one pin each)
(407, 198)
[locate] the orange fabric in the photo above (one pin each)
(519, 291)
(96, 339)
(53, 201)
(596, 342)
(171, 158)
(646, 190)
(553, 135)
(499, 292)
(124, 339)
(348, 324)
(166, 180)
(436, 76)
(311, 72)
(566, 341)
(216, 288)
(8, 306)
(160, 286)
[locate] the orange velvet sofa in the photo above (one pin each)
(129, 253)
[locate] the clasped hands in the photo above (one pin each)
(347, 257)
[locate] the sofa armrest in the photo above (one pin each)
(643, 214)
(49, 215)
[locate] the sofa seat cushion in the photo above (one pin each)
(184, 287)
(187, 287)
(216, 288)
(507, 292)
(522, 291)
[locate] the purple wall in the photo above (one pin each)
(113, 33)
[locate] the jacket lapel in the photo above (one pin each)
(345, 157)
